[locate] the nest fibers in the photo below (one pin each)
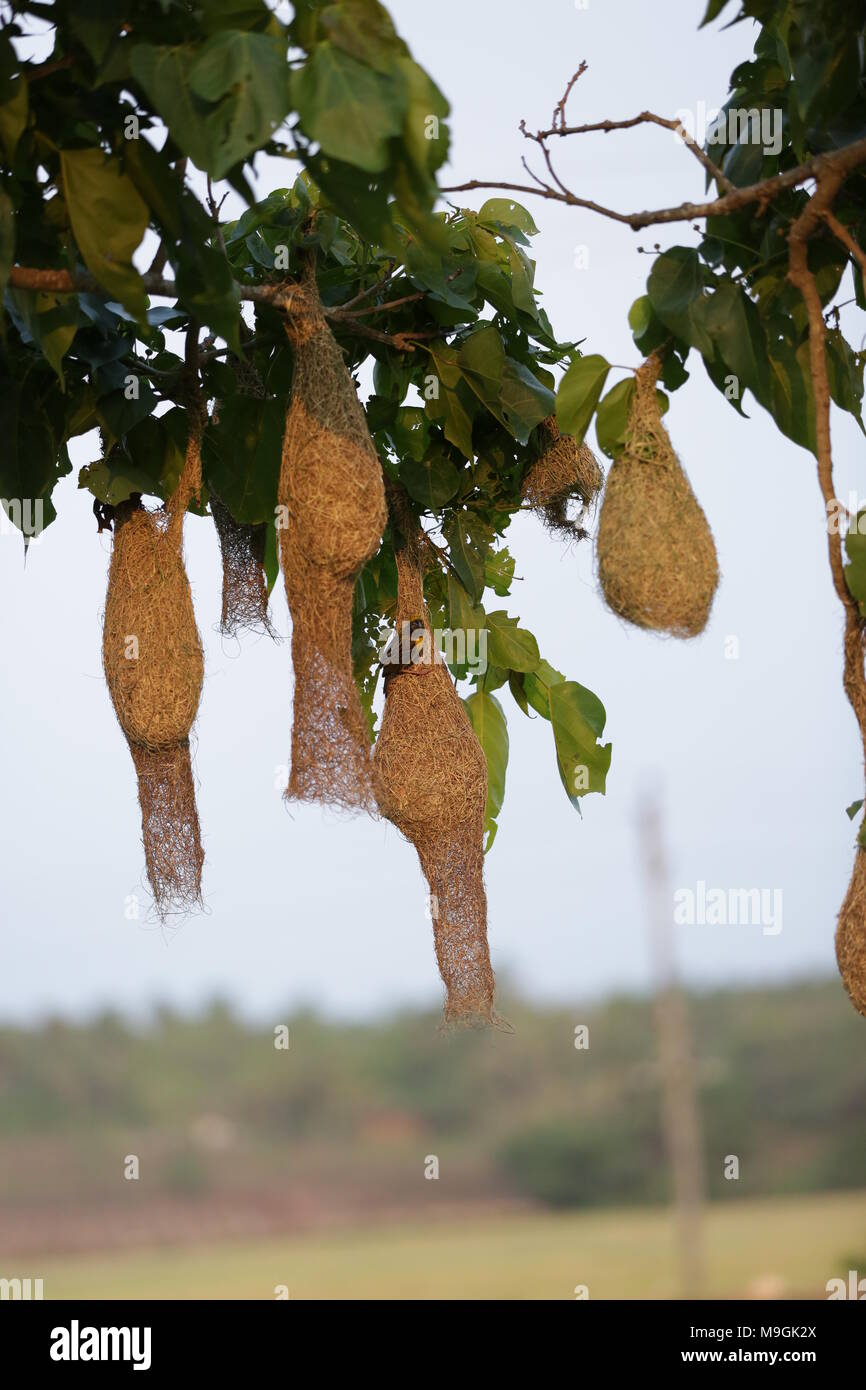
(851, 936)
(656, 555)
(430, 779)
(152, 655)
(332, 489)
(563, 472)
(242, 546)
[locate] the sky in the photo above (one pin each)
(752, 757)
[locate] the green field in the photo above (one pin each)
(776, 1246)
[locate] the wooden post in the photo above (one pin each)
(680, 1115)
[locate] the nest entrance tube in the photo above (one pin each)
(430, 778)
(332, 491)
(242, 545)
(154, 667)
(245, 590)
(657, 559)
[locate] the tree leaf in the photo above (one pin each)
(7, 239)
(109, 219)
(467, 552)
(13, 120)
(579, 392)
(491, 729)
(504, 212)
(575, 714)
(246, 75)
(351, 110)
(241, 456)
(510, 646)
(855, 570)
(612, 417)
(432, 481)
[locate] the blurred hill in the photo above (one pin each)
(235, 1137)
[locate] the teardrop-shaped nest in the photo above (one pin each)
(430, 780)
(332, 489)
(154, 666)
(657, 560)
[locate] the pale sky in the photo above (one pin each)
(756, 757)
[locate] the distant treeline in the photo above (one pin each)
(781, 1075)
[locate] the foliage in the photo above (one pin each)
(729, 297)
(461, 360)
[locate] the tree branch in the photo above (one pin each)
(816, 211)
(645, 118)
(843, 235)
(64, 282)
(840, 161)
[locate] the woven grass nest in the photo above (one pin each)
(656, 556)
(154, 667)
(430, 780)
(563, 473)
(331, 486)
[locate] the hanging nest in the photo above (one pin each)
(245, 586)
(154, 666)
(430, 779)
(331, 486)
(242, 545)
(656, 555)
(851, 936)
(563, 473)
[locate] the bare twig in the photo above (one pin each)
(559, 109)
(645, 118)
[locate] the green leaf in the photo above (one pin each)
(855, 570)
(241, 456)
(579, 392)
(537, 684)
(793, 400)
(109, 219)
(247, 75)
(467, 551)
(578, 719)
(348, 108)
(49, 320)
(207, 290)
(499, 571)
(7, 240)
(516, 686)
(675, 290)
(432, 481)
(851, 811)
(510, 646)
(447, 399)
(508, 389)
(612, 418)
(13, 120)
(425, 134)
(506, 213)
(739, 337)
(488, 720)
